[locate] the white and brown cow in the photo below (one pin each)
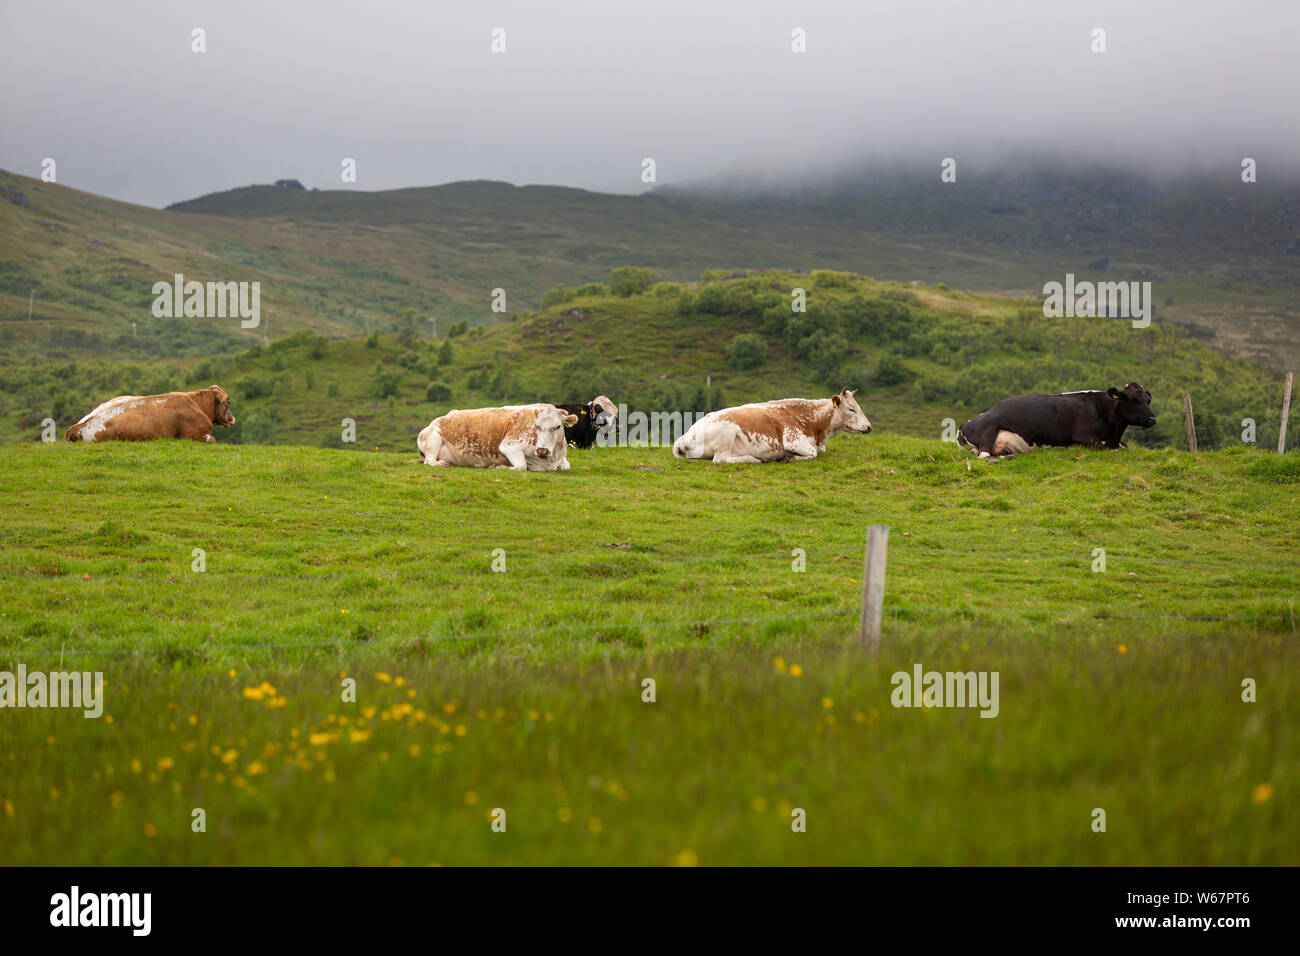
(790, 429)
(522, 437)
(142, 417)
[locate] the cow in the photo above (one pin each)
(790, 429)
(1093, 418)
(594, 417)
(522, 437)
(142, 417)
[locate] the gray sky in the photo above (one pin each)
(111, 90)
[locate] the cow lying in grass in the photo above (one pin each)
(522, 437)
(1093, 418)
(594, 417)
(142, 417)
(790, 429)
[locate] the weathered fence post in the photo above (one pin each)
(1286, 411)
(873, 586)
(1191, 423)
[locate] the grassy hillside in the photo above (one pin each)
(1222, 263)
(921, 355)
(522, 690)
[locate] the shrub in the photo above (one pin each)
(437, 392)
(891, 370)
(384, 384)
(581, 378)
(631, 280)
(252, 386)
(557, 296)
(746, 351)
(445, 353)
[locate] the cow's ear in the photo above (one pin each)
(570, 420)
(1113, 392)
(835, 400)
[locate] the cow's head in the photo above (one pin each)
(1133, 405)
(550, 425)
(847, 416)
(604, 415)
(221, 407)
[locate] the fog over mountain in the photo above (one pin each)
(585, 91)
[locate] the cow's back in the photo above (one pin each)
(771, 420)
(481, 431)
(129, 418)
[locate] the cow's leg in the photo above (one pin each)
(727, 458)
(1009, 443)
(798, 447)
(515, 455)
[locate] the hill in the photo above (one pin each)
(920, 354)
(1222, 260)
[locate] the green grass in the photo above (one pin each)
(1119, 690)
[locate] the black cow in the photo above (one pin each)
(1093, 418)
(599, 414)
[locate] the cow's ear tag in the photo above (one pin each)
(583, 412)
(836, 401)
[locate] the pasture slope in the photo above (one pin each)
(522, 690)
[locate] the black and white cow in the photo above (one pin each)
(1093, 418)
(598, 415)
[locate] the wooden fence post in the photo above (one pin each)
(1286, 411)
(1191, 423)
(873, 586)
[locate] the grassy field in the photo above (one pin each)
(522, 690)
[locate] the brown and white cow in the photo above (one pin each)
(142, 417)
(790, 429)
(522, 437)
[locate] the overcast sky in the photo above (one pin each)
(287, 88)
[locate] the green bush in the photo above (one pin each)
(581, 378)
(631, 280)
(746, 351)
(383, 383)
(891, 370)
(437, 392)
(557, 296)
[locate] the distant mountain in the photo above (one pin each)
(1223, 257)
